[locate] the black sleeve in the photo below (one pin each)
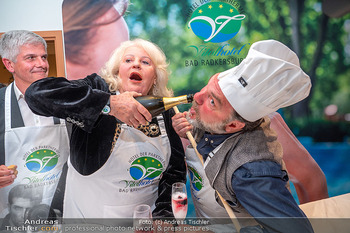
(175, 172)
(77, 101)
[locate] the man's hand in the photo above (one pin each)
(7, 176)
(128, 110)
(180, 124)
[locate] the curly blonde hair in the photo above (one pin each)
(110, 71)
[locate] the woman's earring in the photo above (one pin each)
(155, 91)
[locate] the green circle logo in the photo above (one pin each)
(146, 168)
(41, 161)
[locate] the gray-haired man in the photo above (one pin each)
(37, 145)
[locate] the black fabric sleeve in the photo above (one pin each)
(78, 101)
(175, 172)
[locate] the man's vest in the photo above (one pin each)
(241, 148)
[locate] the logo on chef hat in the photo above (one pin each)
(41, 161)
(196, 179)
(146, 168)
(216, 22)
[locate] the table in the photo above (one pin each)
(330, 215)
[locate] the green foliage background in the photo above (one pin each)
(164, 22)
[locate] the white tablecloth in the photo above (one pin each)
(330, 215)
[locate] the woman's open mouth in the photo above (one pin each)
(135, 77)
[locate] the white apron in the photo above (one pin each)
(203, 194)
(129, 177)
(39, 153)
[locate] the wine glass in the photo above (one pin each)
(179, 200)
(143, 219)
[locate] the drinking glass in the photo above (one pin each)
(179, 200)
(142, 219)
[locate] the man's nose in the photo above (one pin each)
(41, 62)
(198, 97)
(23, 212)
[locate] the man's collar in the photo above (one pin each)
(18, 93)
(210, 141)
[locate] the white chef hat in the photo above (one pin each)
(269, 78)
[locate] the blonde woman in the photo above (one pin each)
(115, 166)
(110, 72)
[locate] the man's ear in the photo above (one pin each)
(234, 126)
(8, 64)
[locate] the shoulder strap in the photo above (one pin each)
(16, 116)
(2, 125)
(16, 119)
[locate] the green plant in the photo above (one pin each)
(321, 130)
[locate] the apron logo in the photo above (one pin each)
(196, 179)
(41, 161)
(146, 168)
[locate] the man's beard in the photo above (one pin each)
(214, 128)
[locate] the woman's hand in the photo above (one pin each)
(128, 110)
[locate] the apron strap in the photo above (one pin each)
(2, 125)
(69, 127)
(16, 116)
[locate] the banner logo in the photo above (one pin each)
(216, 22)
